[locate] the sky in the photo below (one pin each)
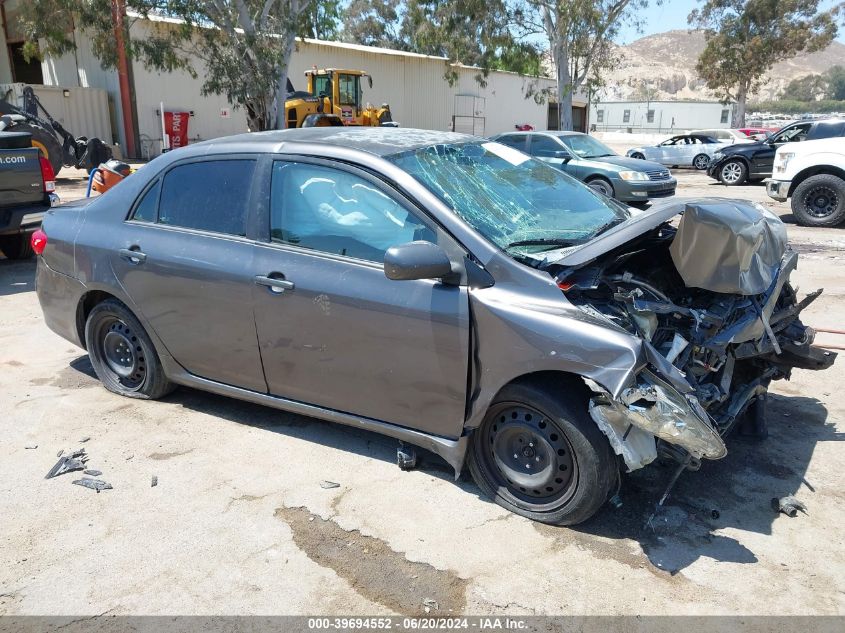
(672, 14)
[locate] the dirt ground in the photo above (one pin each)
(242, 521)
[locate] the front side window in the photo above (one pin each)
(517, 202)
(334, 211)
(209, 196)
(544, 146)
(585, 146)
(793, 134)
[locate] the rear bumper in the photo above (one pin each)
(642, 190)
(25, 219)
(778, 189)
(59, 297)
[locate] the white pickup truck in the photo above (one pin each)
(812, 173)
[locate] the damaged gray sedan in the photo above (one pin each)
(443, 290)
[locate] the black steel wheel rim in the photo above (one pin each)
(530, 455)
(122, 353)
(821, 202)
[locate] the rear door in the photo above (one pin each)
(334, 331)
(186, 260)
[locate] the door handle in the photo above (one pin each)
(133, 256)
(275, 285)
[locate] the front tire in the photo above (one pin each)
(733, 173)
(638, 156)
(602, 186)
(540, 455)
(819, 201)
(122, 353)
(17, 246)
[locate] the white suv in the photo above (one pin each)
(812, 173)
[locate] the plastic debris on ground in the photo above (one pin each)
(68, 463)
(788, 505)
(92, 472)
(93, 484)
(329, 484)
(154, 481)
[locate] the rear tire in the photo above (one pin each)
(638, 156)
(17, 246)
(733, 173)
(122, 353)
(602, 186)
(819, 201)
(532, 425)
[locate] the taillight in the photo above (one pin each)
(38, 241)
(48, 176)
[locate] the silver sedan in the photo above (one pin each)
(687, 150)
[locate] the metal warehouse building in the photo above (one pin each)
(658, 116)
(412, 84)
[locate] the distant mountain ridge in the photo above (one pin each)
(665, 62)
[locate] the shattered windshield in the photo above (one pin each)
(585, 146)
(519, 203)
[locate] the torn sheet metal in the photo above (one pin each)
(728, 246)
(68, 463)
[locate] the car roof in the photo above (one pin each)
(555, 133)
(381, 141)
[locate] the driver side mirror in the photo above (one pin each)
(416, 260)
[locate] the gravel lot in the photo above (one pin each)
(240, 524)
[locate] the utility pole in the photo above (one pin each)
(118, 10)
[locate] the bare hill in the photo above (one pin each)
(665, 62)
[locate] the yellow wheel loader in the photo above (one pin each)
(334, 97)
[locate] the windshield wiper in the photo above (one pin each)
(544, 241)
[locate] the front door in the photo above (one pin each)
(186, 262)
(333, 330)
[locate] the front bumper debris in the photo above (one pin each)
(654, 409)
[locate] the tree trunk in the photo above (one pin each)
(739, 112)
(564, 90)
(282, 88)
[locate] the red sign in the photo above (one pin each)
(176, 127)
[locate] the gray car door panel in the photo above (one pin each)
(339, 334)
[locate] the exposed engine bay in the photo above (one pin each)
(712, 302)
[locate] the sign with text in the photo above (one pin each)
(176, 127)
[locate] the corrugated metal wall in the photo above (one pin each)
(82, 111)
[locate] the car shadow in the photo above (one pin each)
(16, 276)
(734, 492)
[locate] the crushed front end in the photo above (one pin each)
(719, 320)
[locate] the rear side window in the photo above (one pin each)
(146, 209)
(209, 196)
(517, 141)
